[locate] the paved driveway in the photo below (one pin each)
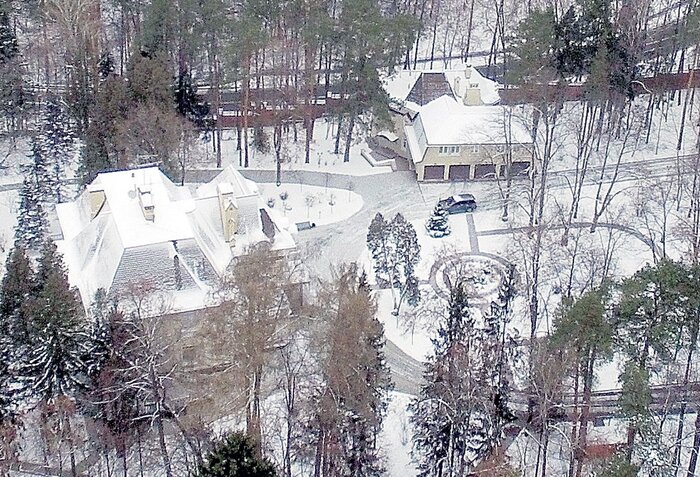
(345, 241)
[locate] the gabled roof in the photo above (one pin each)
(447, 122)
(413, 89)
(428, 87)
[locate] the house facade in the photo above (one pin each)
(450, 127)
(451, 142)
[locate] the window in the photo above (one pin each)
(449, 150)
(475, 149)
(500, 148)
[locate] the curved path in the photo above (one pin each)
(387, 193)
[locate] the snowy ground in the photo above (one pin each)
(396, 437)
(307, 203)
(8, 219)
(321, 159)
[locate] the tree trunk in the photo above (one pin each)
(336, 150)
(684, 402)
(348, 139)
(163, 447)
(469, 32)
(246, 107)
(217, 107)
(277, 140)
(582, 441)
(308, 112)
(71, 444)
(696, 448)
(253, 409)
(574, 422)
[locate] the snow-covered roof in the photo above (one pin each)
(400, 84)
(134, 225)
(122, 190)
(389, 135)
(415, 88)
(460, 79)
(447, 122)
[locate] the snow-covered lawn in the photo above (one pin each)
(8, 220)
(412, 336)
(395, 439)
(321, 159)
(11, 157)
(306, 203)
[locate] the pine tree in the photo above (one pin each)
(583, 331)
(57, 148)
(8, 41)
(57, 363)
(32, 224)
(351, 406)
(438, 224)
(189, 104)
(235, 456)
(452, 417)
(17, 287)
(39, 171)
(407, 251)
(649, 323)
(369, 40)
(501, 345)
(12, 88)
(382, 249)
(10, 424)
(111, 401)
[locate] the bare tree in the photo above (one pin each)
(253, 318)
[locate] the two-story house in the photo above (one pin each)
(449, 126)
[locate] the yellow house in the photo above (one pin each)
(449, 127)
(448, 141)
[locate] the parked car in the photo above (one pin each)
(458, 203)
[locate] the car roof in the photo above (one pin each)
(459, 197)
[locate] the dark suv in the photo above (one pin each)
(457, 204)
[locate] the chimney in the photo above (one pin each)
(228, 210)
(96, 199)
(146, 201)
(472, 95)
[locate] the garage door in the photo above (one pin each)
(518, 168)
(459, 173)
(485, 171)
(434, 173)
